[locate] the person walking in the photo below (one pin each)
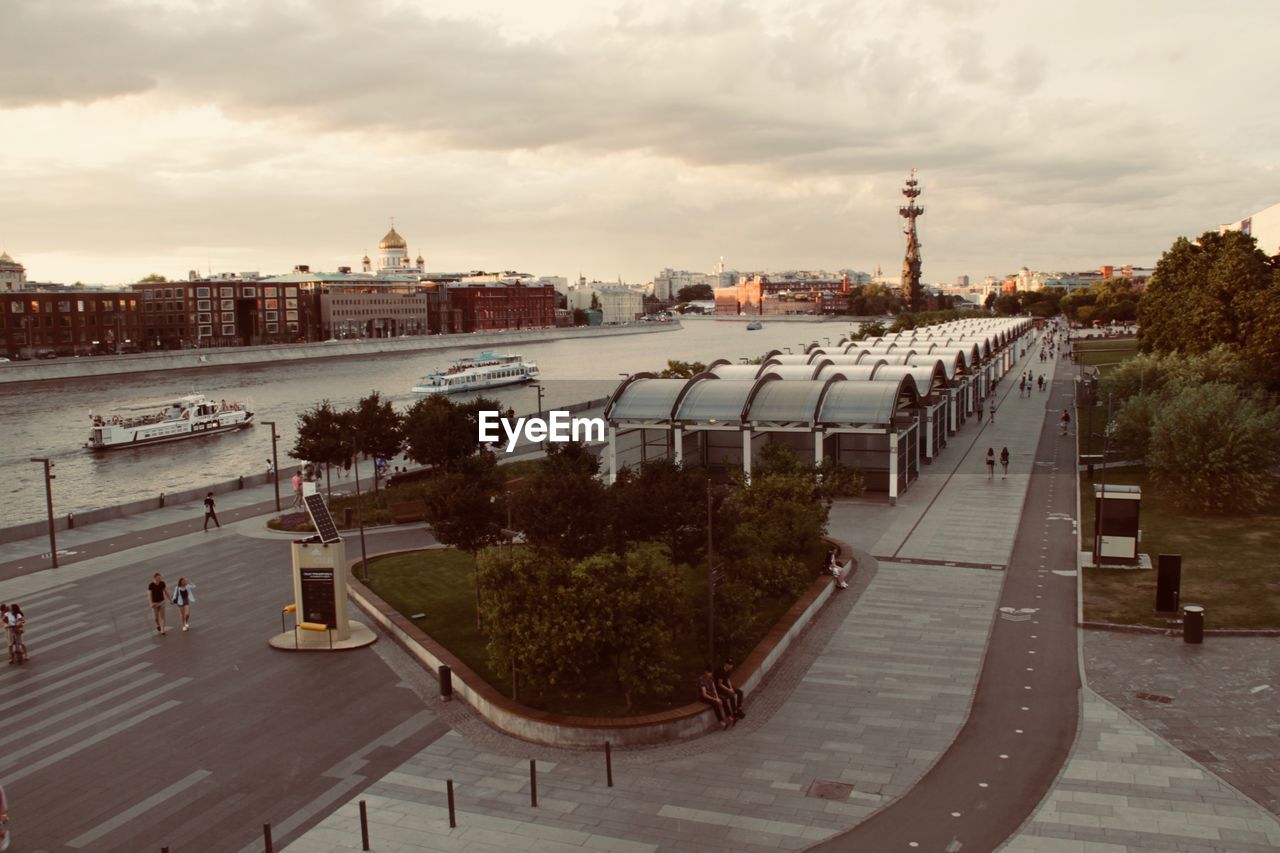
(15, 626)
(1040, 382)
(1004, 462)
(1064, 421)
(297, 488)
(157, 590)
(992, 410)
(184, 595)
(991, 463)
(210, 511)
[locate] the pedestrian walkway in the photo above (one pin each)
(1126, 790)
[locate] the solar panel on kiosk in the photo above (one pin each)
(321, 518)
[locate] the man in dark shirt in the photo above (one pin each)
(157, 596)
(707, 695)
(210, 511)
(731, 695)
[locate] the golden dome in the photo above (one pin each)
(393, 241)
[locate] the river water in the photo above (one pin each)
(52, 418)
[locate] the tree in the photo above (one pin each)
(463, 512)
(561, 506)
(681, 369)
(580, 317)
(660, 502)
(695, 291)
(990, 301)
(153, 278)
(1215, 450)
(1007, 305)
(320, 437)
(1219, 290)
(438, 431)
(376, 428)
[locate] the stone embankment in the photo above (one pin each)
(79, 368)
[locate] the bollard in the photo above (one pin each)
(364, 826)
(240, 484)
(533, 782)
(1193, 624)
(608, 764)
(446, 682)
(164, 850)
(71, 521)
(453, 820)
(162, 499)
(268, 847)
(346, 517)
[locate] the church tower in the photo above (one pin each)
(393, 253)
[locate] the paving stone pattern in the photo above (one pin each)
(1225, 708)
(1125, 791)
(873, 709)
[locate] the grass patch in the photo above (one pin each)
(1228, 562)
(1105, 354)
(439, 583)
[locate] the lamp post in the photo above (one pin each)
(48, 497)
(364, 557)
(275, 462)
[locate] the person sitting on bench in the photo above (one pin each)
(731, 695)
(707, 695)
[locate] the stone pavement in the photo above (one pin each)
(1126, 790)
(1219, 702)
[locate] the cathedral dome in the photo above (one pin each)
(393, 241)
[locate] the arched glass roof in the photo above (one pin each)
(645, 400)
(899, 356)
(736, 371)
(865, 370)
(790, 401)
(866, 403)
(930, 376)
(722, 400)
(794, 371)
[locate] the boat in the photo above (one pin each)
(755, 326)
(187, 417)
(487, 370)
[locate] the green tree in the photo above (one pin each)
(1215, 450)
(1007, 305)
(464, 512)
(695, 291)
(562, 507)
(660, 502)
(320, 436)
(439, 431)
(376, 428)
(153, 278)
(1220, 290)
(872, 329)
(681, 369)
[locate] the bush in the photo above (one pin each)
(1215, 450)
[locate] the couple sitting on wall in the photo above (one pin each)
(717, 690)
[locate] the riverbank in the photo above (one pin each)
(16, 373)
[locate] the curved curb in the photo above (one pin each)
(1177, 632)
(512, 718)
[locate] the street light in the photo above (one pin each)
(48, 497)
(275, 462)
(538, 388)
(364, 557)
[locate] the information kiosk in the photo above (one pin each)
(320, 589)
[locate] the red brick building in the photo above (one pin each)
(489, 306)
(68, 322)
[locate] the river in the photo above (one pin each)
(52, 418)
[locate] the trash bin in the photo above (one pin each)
(446, 682)
(1193, 624)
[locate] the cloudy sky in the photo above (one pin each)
(617, 138)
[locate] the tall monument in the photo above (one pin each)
(911, 290)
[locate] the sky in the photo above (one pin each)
(613, 139)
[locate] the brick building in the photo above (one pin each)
(68, 322)
(760, 294)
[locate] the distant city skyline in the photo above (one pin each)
(616, 140)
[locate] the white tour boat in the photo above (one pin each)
(186, 417)
(487, 370)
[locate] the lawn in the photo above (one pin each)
(1229, 564)
(439, 584)
(1105, 353)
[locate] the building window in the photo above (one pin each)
(273, 328)
(247, 291)
(205, 332)
(228, 304)
(269, 291)
(228, 329)
(227, 292)
(202, 293)
(147, 294)
(273, 303)
(291, 291)
(204, 318)
(272, 316)
(204, 305)
(228, 317)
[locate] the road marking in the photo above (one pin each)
(983, 785)
(87, 838)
